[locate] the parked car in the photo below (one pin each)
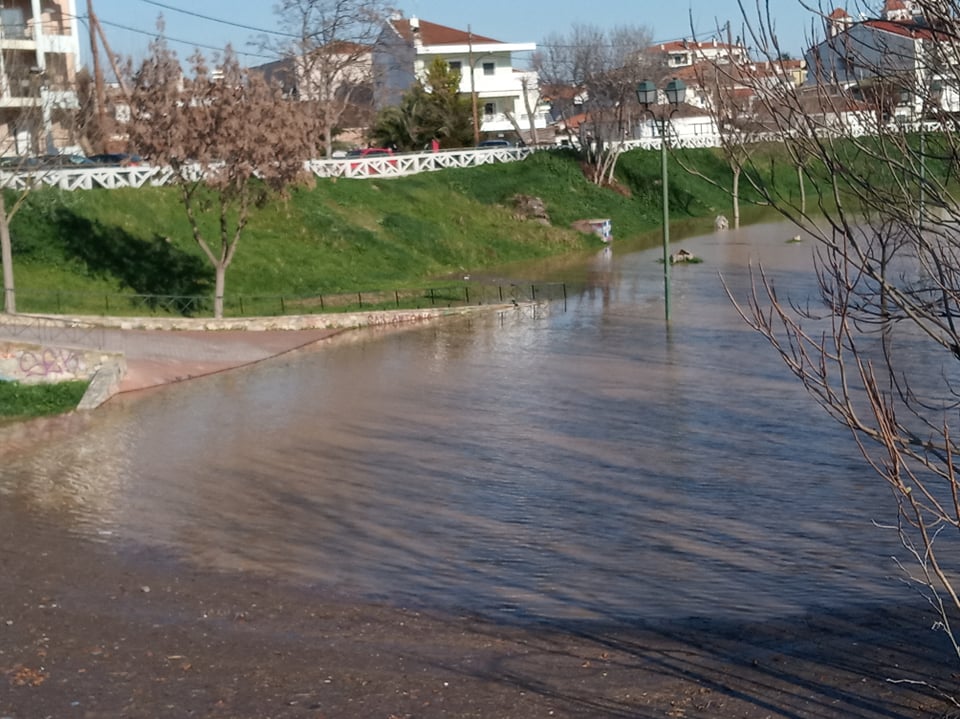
(491, 144)
(65, 161)
(13, 162)
(367, 152)
(117, 159)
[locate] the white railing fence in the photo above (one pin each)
(381, 166)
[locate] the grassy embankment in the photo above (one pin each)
(23, 401)
(76, 252)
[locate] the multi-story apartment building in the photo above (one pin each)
(902, 63)
(499, 90)
(39, 56)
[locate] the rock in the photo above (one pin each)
(682, 256)
(527, 207)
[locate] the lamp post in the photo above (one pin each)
(647, 96)
(473, 89)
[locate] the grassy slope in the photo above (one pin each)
(349, 235)
(21, 401)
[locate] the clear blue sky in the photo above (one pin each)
(130, 23)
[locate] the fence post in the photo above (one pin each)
(396, 295)
(466, 294)
(360, 299)
(283, 306)
(533, 293)
(500, 287)
(432, 298)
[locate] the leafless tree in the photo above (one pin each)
(229, 137)
(331, 57)
(878, 141)
(728, 82)
(603, 68)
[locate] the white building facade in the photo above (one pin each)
(409, 45)
(39, 57)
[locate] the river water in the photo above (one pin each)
(577, 460)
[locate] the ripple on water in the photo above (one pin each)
(576, 463)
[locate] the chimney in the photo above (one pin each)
(415, 31)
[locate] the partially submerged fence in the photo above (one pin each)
(139, 305)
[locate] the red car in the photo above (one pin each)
(369, 152)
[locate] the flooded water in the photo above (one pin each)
(577, 460)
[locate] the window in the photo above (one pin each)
(488, 68)
(456, 65)
(490, 108)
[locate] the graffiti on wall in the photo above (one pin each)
(50, 361)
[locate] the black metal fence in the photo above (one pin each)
(136, 305)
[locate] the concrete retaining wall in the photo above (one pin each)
(345, 320)
(37, 364)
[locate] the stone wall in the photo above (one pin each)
(37, 364)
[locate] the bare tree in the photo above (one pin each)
(877, 138)
(604, 68)
(527, 83)
(331, 55)
(229, 137)
(729, 83)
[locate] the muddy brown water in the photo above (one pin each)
(576, 460)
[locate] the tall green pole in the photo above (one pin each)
(666, 218)
(923, 174)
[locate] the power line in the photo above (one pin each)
(179, 41)
(218, 20)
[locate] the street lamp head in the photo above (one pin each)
(676, 91)
(647, 94)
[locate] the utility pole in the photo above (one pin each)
(473, 89)
(97, 76)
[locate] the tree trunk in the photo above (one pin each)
(803, 190)
(6, 259)
(221, 281)
(531, 117)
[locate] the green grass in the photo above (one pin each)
(21, 401)
(75, 252)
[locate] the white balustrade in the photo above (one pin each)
(372, 167)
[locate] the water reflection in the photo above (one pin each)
(577, 462)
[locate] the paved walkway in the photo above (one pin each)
(156, 357)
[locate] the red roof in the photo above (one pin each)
(433, 34)
(837, 14)
(891, 5)
(906, 29)
(678, 45)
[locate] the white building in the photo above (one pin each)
(898, 61)
(407, 46)
(39, 56)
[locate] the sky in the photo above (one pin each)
(130, 24)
